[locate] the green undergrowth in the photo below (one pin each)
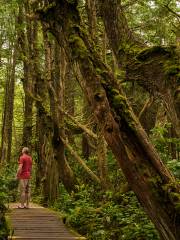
(7, 193)
(112, 214)
(170, 156)
(105, 215)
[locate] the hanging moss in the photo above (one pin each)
(172, 192)
(147, 53)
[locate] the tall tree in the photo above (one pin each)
(55, 65)
(26, 38)
(9, 105)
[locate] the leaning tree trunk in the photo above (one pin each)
(148, 177)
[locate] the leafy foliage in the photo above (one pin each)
(162, 141)
(163, 27)
(8, 189)
(112, 216)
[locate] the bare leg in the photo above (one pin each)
(22, 192)
(27, 194)
(27, 199)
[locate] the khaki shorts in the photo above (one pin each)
(24, 185)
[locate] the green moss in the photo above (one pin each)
(147, 53)
(117, 101)
(172, 192)
(120, 104)
(175, 197)
(103, 73)
(79, 49)
(177, 207)
(156, 183)
(46, 8)
(115, 91)
(98, 70)
(155, 180)
(103, 82)
(172, 70)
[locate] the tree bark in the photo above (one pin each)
(92, 19)
(26, 38)
(148, 114)
(8, 107)
(69, 96)
(102, 160)
(56, 94)
(81, 162)
(121, 37)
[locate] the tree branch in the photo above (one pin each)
(170, 10)
(84, 128)
(81, 161)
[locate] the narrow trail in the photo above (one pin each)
(38, 223)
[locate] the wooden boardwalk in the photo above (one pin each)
(38, 223)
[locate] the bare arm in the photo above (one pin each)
(19, 170)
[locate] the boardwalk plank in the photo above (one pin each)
(38, 223)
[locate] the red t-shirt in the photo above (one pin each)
(26, 162)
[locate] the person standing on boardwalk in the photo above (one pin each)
(24, 175)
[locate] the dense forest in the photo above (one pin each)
(91, 87)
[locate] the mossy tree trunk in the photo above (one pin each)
(26, 38)
(51, 163)
(47, 177)
(8, 105)
(69, 96)
(40, 95)
(87, 150)
(57, 96)
(148, 177)
(102, 160)
(92, 18)
(121, 38)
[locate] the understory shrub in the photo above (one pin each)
(115, 217)
(116, 214)
(8, 193)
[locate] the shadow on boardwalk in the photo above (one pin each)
(38, 223)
